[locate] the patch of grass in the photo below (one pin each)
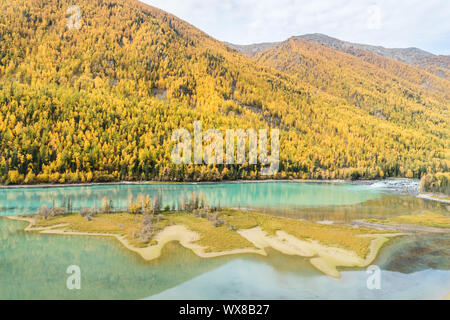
(329, 235)
(223, 237)
(429, 219)
(440, 197)
(216, 239)
(123, 224)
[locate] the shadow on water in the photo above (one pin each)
(410, 254)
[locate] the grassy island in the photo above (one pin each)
(212, 232)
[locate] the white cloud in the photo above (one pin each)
(391, 23)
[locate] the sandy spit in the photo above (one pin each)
(324, 258)
(179, 233)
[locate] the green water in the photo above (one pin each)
(275, 195)
(33, 266)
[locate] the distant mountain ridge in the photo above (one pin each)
(252, 50)
(435, 64)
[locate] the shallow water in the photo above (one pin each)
(246, 279)
(33, 266)
(312, 201)
(262, 195)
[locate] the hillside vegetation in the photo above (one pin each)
(393, 92)
(439, 182)
(100, 103)
(437, 65)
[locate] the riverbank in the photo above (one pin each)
(428, 222)
(64, 185)
(178, 233)
(380, 225)
(435, 197)
(399, 182)
(327, 259)
(327, 247)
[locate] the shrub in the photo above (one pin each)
(106, 206)
(62, 211)
(14, 177)
(88, 213)
(439, 182)
(44, 211)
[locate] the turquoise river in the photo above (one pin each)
(33, 266)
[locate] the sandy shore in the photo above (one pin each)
(179, 233)
(324, 258)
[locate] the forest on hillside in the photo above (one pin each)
(100, 103)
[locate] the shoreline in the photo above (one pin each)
(401, 227)
(150, 183)
(145, 183)
(324, 258)
(433, 197)
(179, 233)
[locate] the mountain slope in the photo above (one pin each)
(438, 65)
(394, 93)
(100, 103)
(252, 50)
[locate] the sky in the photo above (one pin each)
(424, 24)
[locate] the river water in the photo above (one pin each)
(33, 266)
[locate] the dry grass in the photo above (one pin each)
(120, 224)
(216, 239)
(428, 219)
(223, 238)
(440, 197)
(330, 235)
